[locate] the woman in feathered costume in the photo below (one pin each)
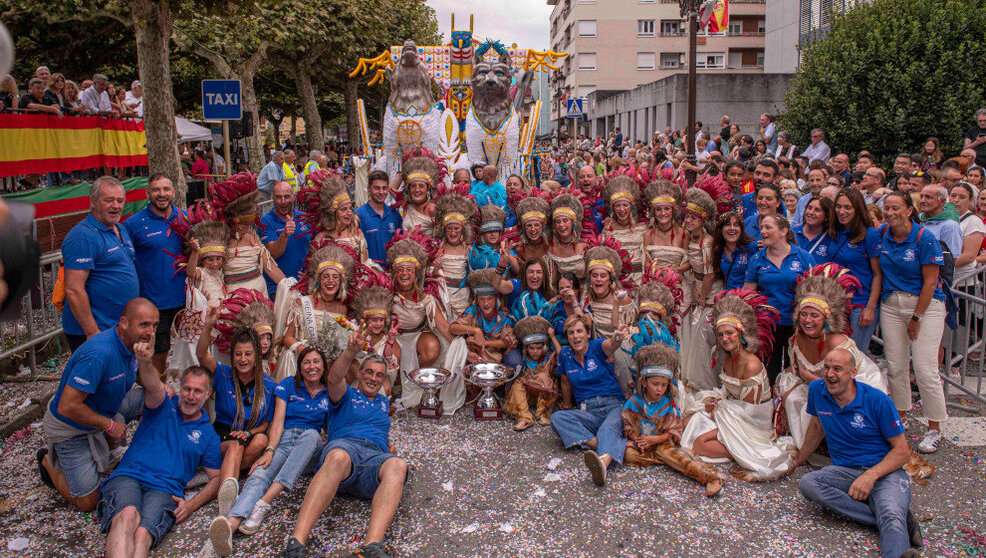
(422, 173)
(424, 337)
(566, 250)
(532, 213)
(652, 421)
(248, 309)
(327, 207)
(605, 268)
(454, 214)
(663, 241)
(736, 421)
(247, 259)
(621, 195)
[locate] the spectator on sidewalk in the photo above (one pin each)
(272, 173)
(38, 100)
(96, 99)
(818, 150)
(71, 105)
(144, 497)
(135, 99)
(200, 167)
(865, 438)
(100, 273)
(153, 241)
(94, 401)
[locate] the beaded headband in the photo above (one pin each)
(406, 259)
(212, 250)
(601, 263)
(330, 263)
(730, 321)
(339, 200)
(662, 199)
(816, 303)
(262, 329)
(535, 338)
(491, 226)
(621, 196)
(656, 371)
(422, 175)
(694, 207)
(533, 215)
(454, 217)
(563, 211)
(651, 305)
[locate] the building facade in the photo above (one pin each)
(792, 23)
(618, 45)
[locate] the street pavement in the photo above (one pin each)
(482, 490)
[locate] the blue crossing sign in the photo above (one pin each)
(575, 108)
(221, 99)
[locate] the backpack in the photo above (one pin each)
(58, 292)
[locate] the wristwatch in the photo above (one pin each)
(915, 317)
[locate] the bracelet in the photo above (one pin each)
(268, 449)
(110, 427)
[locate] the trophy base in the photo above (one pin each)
(430, 412)
(488, 414)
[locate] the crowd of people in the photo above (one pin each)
(649, 321)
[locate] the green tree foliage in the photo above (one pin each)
(890, 73)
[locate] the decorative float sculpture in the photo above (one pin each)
(479, 116)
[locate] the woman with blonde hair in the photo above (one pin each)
(327, 206)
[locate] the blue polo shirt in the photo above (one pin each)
(302, 410)
(734, 265)
(777, 283)
(593, 379)
(856, 258)
(750, 205)
(818, 246)
(167, 449)
(112, 280)
(104, 368)
(358, 416)
(153, 240)
(225, 395)
(293, 258)
(857, 434)
(378, 230)
(901, 261)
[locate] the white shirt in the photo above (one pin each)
(94, 101)
(970, 223)
(136, 103)
(817, 152)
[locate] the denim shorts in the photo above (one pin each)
(156, 508)
(367, 459)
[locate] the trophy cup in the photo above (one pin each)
(430, 380)
(487, 376)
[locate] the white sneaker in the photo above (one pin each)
(228, 491)
(929, 444)
(221, 536)
(251, 524)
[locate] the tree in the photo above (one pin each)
(890, 73)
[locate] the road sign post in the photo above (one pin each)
(221, 100)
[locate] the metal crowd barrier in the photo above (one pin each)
(964, 366)
(39, 321)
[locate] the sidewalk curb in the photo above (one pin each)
(29, 414)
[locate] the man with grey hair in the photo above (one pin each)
(271, 174)
(100, 274)
(873, 180)
(96, 99)
(818, 150)
(784, 146)
(975, 138)
(314, 164)
(943, 224)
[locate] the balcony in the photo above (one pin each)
(746, 33)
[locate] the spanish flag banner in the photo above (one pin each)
(720, 16)
(40, 143)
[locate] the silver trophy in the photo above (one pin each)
(430, 380)
(488, 376)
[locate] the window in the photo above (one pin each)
(587, 1)
(670, 28)
(762, 26)
(735, 28)
(710, 61)
(670, 60)
(587, 28)
(760, 59)
(735, 60)
(645, 60)
(587, 60)
(584, 90)
(645, 27)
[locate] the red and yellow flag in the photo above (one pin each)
(40, 143)
(720, 16)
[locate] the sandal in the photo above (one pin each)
(522, 425)
(42, 471)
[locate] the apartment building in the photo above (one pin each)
(619, 45)
(792, 23)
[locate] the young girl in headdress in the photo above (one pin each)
(535, 385)
(372, 307)
(454, 214)
(566, 248)
(488, 329)
(621, 195)
(207, 251)
(652, 421)
(485, 253)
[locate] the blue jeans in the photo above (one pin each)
(862, 335)
(156, 508)
(292, 457)
(885, 509)
(513, 358)
(597, 417)
(366, 458)
(75, 456)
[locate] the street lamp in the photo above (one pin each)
(690, 9)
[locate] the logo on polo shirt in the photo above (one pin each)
(858, 421)
(590, 365)
(155, 233)
(194, 436)
(391, 228)
(795, 266)
(909, 255)
(113, 249)
(82, 260)
(117, 377)
(742, 259)
(82, 381)
(323, 405)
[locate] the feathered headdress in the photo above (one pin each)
(374, 296)
(454, 206)
(243, 308)
(829, 289)
(421, 164)
(200, 212)
(321, 198)
(569, 205)
(621, 187)
(658, 359)
(612, 251)
(663, 192)
(698, 202)
(480, 282)
(236, 197)
(491, 219)
(203, 223)
(532, 329)
(750, 313)
(719, 191)
(656, 297)
(328, 255)
(417, 249)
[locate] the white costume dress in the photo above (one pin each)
(414, 218)
(632, 240)
(454, 270)
(208, 292)
(695, 332)
(746, 429)
(795, 391)
(413, 318)
(499, 147)
(244, 268)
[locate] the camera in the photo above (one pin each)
(19, 257)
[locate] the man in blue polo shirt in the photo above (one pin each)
(865, 439)
(286, 238)
(100, 275)
(96, 396)
(154, 241)
(144, 497)
(377, 220)
(356, 460)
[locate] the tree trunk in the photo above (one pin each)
(152, 27)
(352, 114)
(306, 91)
(294, 131)
(254, 142)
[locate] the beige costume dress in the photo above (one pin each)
(559, 264)
(632, 240)
(602, 328)
(665, 256)
(413, 218)
(244, 268)
(413, 318)
(695, 333)
(794, 390)
(288, 365)
(746, 429)
(358, 243)
(453, 267)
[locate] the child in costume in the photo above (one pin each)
(485, 253)
(249, 309)
(373, 308)
(327, 208)
(652, 421)
(536, 384)
(532, 212)
(488, 328)
(207, 243)
(454, 215)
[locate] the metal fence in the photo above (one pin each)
(964, 366)
(39, 321)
